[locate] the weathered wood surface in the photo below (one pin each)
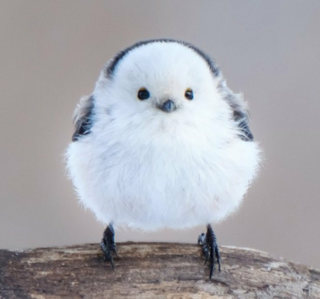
(151, 270)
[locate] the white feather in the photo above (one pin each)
(147, 169)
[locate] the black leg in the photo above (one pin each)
(210, 249)
(108, 245)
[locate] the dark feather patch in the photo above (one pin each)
(243, 123)
(112, 66)
(240, 115)
(83, 118)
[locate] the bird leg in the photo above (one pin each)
(108, 245)
(210, 249)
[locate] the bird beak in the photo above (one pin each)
(168, 106)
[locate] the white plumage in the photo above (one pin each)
(135, 165)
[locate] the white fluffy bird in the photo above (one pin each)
(162, 142)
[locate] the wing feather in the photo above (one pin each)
(240, 111)
(82, 117)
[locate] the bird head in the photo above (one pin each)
(161, 81)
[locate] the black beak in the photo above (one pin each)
(168, 106)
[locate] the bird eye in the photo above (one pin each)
(189, 94)
(143, 94)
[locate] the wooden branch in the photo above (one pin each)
(151, 270)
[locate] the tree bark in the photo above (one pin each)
(152, 270)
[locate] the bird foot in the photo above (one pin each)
(108, 245)
(210, 249)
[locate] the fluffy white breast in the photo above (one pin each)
(144, 168)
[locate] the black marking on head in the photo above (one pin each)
(113, 64)
(83, 118)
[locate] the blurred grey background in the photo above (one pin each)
(51, 53)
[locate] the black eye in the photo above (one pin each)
(143, 94)
(189, 94)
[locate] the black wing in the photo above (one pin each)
(83, 118)
(240, 114)
(243, 123)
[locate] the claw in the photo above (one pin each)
(216, 249)
(210, 249)
(108, 245)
